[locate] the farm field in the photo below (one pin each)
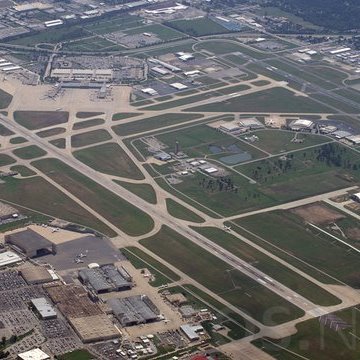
(284, 230)
(110, 159)
(116, 210)
(34, 120)
(277, 100)
(216, 275)
(269, 266)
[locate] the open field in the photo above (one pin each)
(197, 27)
(34, 120)
(277, 141)
(6, 160)
(60, 143)
(216, 275)
(37, 194)
(288, 232)
(5, 99)
(141, 260)
(180, 212)
(122, 214)
(152, 123)
(110, 159)
(4, 131)
(17, 140)
(94, 44)
(22, 170)
(145, 191)
(334, 337)
(277, 100)
(51, 132)
(121, 116)
(29, 152)
(87, 114)
(162, 32)
(76, 355)
(89, 138)
(87, 123)
(269, 266)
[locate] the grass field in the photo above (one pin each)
(6, 160)
(89, 138)
(17, 140)
(277, 100)
(51, 132)
(5, 99)
(162, 32)
(29, 152)
(37, 194)
(60, 143)
(121, 213)
(87, 114)
(286, 231)
(180, 212)
(4, 131)
(153, 123)
(23, 170)
(87, 123)
(277, 141)
(145, 191)
(269, 266)
(76, 355)
(121, 116)
(34, 120)
(141, 260)
(197, 27)
(323, 342)
(93, 44)
(220, 278)
(110, 159)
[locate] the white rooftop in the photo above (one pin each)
(9, 257)
(35, 354)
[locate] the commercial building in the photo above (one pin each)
(31, 243)
(165, 65)
(34, 354)
(43, 309)
(97, 75)
(9, 258)
(106, 278)
(134, 310)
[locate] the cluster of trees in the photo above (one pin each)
(221, 184)
(331, 14)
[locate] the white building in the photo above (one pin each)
(178, 86)
(9, 258)
(35, 354)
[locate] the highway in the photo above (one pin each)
(160, 215)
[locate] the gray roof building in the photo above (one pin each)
(43, 308)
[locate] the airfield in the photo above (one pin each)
(249, 215)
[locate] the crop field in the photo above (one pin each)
(162, 32)
(177, 210)
(197, 27)
(34, 120)
(269, 266)
(277, 100)
(216, 275)
(286, 231)
(37, 194)
(277, 141)
(335, 336)
(29, 152)
(121, 213)
(152, 123)
(110, 159)
(89, 138)
(145, 191)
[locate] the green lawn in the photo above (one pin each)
(118, 211)
(6, 160)
(29, 152)
(269, 266)
(278, 100)
(287, 232)
(180, 212)
(145, 191)
(23, 170)
(34, 120)
(162, 32)
(87, 114)
(121, 116)
(89, 138)
(37, 194)
(110, 159)
(4, 131)
(76, 355)
(51, 132)
(219, 277)
(87, 123)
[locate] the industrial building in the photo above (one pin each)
(301, 125)
(43, 309)
(30, 243)
(97, 75)
(36, 275)
(9, 258)
(106, 278)
(191, 331)
(34, 354)
(162, 156)
(354, 139)
(251, 123)
(134, 310)
(178, 86)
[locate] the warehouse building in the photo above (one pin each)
(106, 278)
(354, 139)
(36, 275)
(134, 310)
(301, 125)
(9, 258)
(191, 331)
(30, 243)
(43, 309)
(34, 354)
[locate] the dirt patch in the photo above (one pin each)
(353, 233)
(317, 214)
